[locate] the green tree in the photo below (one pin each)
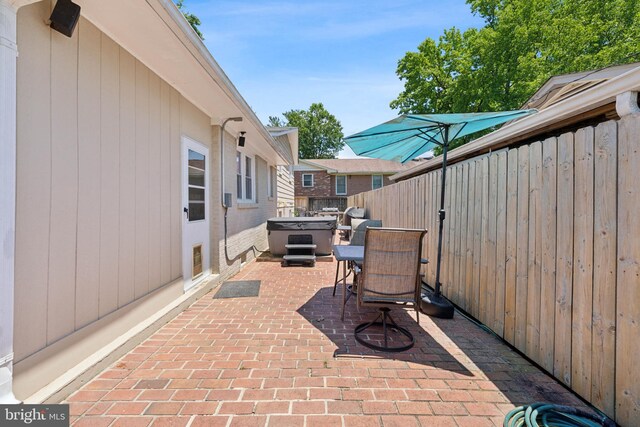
(523, 43)
(276, 122)
(192, 19)
(319, 132)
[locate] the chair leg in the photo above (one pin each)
(384, 320)
(335, 282)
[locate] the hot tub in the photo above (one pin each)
(321, 229)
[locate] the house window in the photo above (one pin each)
(239, 175)
(376, 181)
(341, 185)
(271, 183)
(248, 178)
(245, 173)
(307, 180)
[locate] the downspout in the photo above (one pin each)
(222, 201)
(8, 143)
(230, 119)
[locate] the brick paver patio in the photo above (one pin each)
(284, 358)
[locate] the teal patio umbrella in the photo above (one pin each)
(410, 135)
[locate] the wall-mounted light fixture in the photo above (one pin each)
(241, 139)
(64, 17)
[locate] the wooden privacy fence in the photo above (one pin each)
(542, 245)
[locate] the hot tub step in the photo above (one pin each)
(301, 246)
(298, 259)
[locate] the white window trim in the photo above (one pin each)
(381, 181)
(243, 167)
(272, 180)
(238, 196)
(345, 186)
(312, 180)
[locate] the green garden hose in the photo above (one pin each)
(548, 415)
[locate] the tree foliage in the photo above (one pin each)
(192, 19)
(319, 132)
(523, 43)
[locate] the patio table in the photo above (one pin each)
(346, 254)
(349, 254)
(344, 230)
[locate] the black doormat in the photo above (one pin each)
(239, 288)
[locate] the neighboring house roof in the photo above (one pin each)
(356, 166)
(560, 87)
(592, 104)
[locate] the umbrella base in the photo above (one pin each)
(436, 306)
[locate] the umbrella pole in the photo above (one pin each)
(441, 212)
(434, 304)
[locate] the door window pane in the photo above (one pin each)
(196, 194)
(196, 176)
(196, 159)
(196, 211)
(196, 186)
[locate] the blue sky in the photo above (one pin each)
(284, 55)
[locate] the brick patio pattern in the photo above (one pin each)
(285, 358)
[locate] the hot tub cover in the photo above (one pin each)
(356, 213)
(302, 223)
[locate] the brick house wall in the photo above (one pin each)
(361, 183)
(324, 185)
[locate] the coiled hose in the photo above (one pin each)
(548, 415)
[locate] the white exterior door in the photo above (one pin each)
(195, 215)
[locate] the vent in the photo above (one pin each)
(197, 262)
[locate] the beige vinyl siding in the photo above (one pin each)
(88, 255)
(64, 187)
(285, 191)
(33, 195)
(141, 186)
(175, 184)
(110, 126)
(98, 179)
(126, 255)
(155, 181)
